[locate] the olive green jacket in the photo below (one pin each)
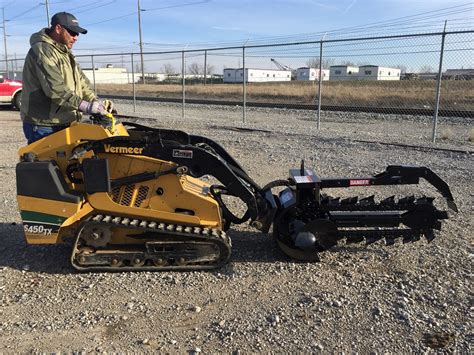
(53, 83)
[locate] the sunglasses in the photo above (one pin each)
(72, 33)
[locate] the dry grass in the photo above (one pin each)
(447, 134)
(471, 135)
(418, 94)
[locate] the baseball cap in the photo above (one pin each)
(67, 20)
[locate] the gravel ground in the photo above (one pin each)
(404, 298)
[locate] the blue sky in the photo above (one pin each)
(174, 25)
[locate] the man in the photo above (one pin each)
(55, 90)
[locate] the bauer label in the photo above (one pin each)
(180, 153)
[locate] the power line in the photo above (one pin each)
(375, 25)
(407, 19)
(179, 5)
(24, 12)
(146, 10)
(95, 7)
(425, 21)
(26, 23)
(10, 3)
(425, 26)
(111, 19)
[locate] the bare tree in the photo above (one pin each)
(347, 62)
(209, 69)
(198, 69)
(195, 68)
(426, 69)
(168, 69)
(403, 68)
(314, 62)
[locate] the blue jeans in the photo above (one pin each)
(34, 132)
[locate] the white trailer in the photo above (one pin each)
(310, 74)
(343, 72)
(112, 75)
(376, 72)
(256, 75)
(229, 75)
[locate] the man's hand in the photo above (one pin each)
(93, 107)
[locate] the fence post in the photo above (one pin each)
(183, 73)
(16, 67)
(133, 86)
(438, 85)
(320, 82)
(205, 66)
(7, 70)
(93, 73)
(244, 86)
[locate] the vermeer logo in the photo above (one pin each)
(122, 150)
(178, 153)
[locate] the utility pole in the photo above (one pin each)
(46, 4)
(5, 41)
(47, 13)
(141, 43)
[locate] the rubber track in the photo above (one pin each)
(194, 233)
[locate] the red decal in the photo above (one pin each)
(305, 178)
(360, 182)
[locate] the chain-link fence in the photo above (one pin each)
(430, 74)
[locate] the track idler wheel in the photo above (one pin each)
(115, 262)
(96, 236)
(137, 261)
(302, 241)
(159, 262)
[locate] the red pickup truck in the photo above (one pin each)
(10, 92)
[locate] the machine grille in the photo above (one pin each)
(130, 196)
(141, 195)
(116, 194)
(127, 195)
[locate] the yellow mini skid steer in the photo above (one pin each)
(130, 197)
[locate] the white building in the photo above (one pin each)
(255, 75)
(343, 72)
(109, 75)
(375, 72)
(310, 74)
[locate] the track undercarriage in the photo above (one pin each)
(158, 246)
